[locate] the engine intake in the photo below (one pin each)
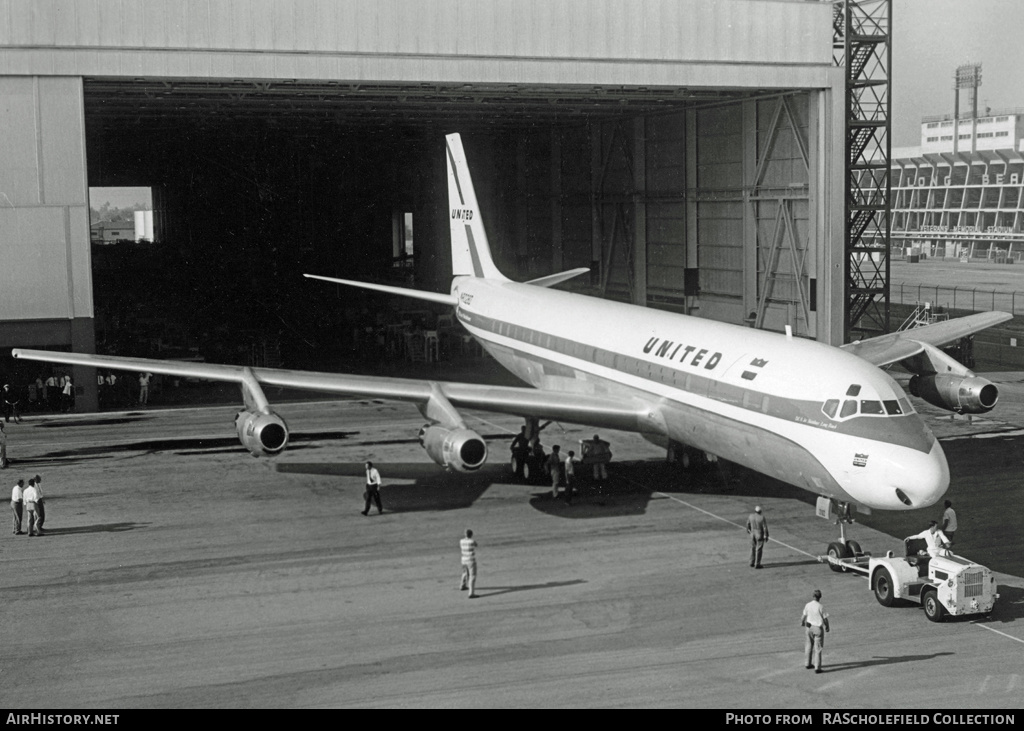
(262, 434)
(462, 450)
(963, 394)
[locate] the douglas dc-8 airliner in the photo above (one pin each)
(825, 419)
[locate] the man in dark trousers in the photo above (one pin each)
(372, 493)
(553, 464)
(520, 449)
(18, 506)
(815, 623)
(949, 521)
(40, 502)
(757, 527)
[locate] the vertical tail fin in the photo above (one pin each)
(471, 254)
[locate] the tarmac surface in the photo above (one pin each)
(178, 571)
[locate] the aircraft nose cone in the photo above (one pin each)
(918, 479)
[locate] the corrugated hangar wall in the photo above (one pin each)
(688, 152)
(721, 194)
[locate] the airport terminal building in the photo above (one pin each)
(689, 153)
(960, 193)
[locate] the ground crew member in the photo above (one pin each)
(10, 405)
(144, 388)
(520, 449)
(50, 392)
(3, 447)
(40, 502)
(18, 506)
(31, 498)
(815, 620)
(68, 392)
(935, 538)
(757, 527)
(570, 476)
(597, 453)
(467, 547)
(949, 521)
(553, 465)
(372, 493)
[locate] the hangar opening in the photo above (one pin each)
(658, 191)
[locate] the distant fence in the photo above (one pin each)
(957, 298)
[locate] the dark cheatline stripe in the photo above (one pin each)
(455, 173)
(478, 268)
(889, 429)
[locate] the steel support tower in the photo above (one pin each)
(862, 44)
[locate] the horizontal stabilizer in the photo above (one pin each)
(444, 299)
(552, 279)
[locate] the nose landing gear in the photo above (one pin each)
(839, 553)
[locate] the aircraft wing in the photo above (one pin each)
(897, 346)
(597, 411)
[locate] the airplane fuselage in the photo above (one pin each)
(798, 410)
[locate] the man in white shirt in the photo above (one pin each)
(31, 497)
(467, 546)
(67, 390)
(372, 493)
(815, 620)
(17, 506)
(935, 538)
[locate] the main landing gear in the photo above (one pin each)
(843, 552)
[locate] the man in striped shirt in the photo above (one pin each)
(468, 547)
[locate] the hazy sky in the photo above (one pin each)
(932, 37)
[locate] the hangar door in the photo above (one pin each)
(706, 211)
(750, 165)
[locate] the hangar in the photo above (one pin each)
(690, 153)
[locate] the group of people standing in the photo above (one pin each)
(114, 390)
(562, 469)
(28, 506)
(56, 392)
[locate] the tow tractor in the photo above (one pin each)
(946, 584)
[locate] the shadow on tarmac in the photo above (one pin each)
(112, 421)
(496, 590)
(839, 667)
(98, 528)
(1009, 606)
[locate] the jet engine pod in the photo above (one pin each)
(261, 434)
(462, 450)
(963, 394)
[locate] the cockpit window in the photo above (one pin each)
(905, 406)
(853, 391)
(849, 408)
(892, 408)
(830, 407)
(871, 407)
